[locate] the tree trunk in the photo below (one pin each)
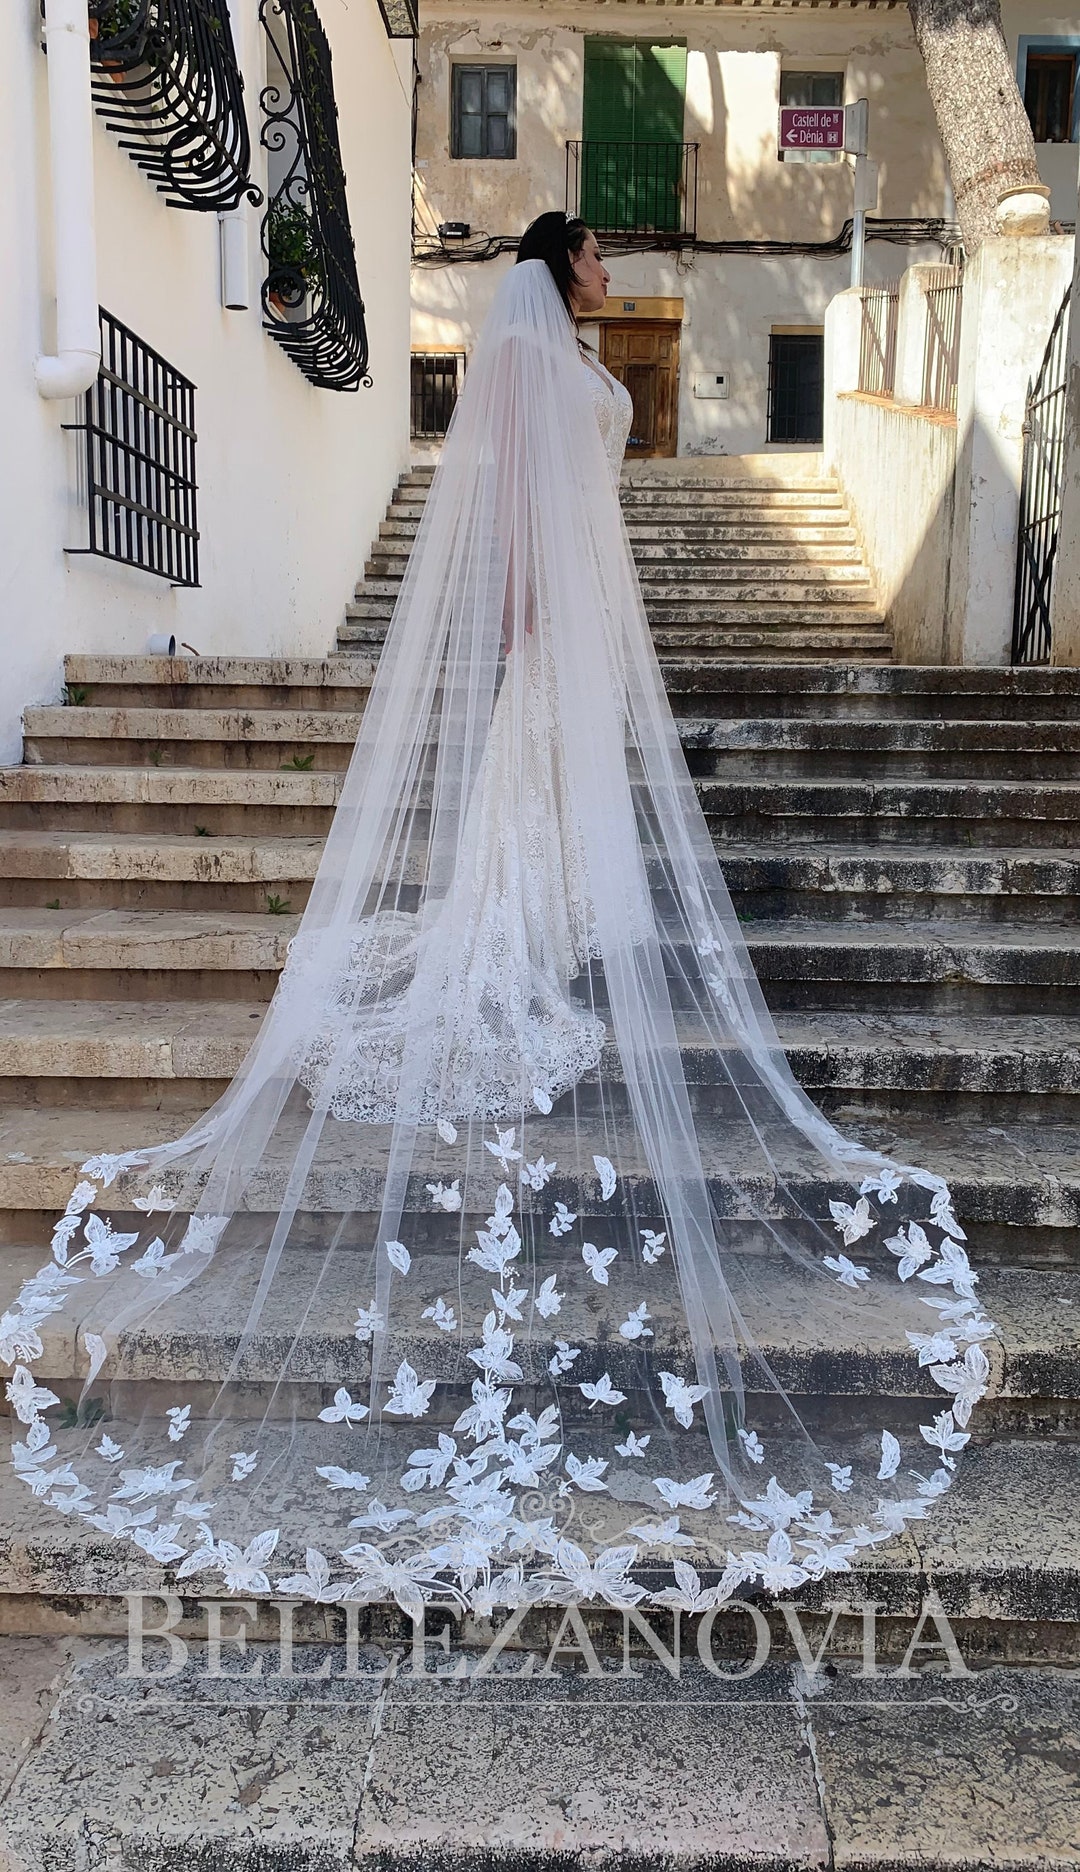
(980, 113)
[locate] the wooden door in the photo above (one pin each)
(644, 355)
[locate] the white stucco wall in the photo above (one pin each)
(731, 302)
(292, 479)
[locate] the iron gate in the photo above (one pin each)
(1040, 497)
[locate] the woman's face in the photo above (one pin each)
(588, 289)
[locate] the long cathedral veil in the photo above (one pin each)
(514, 1264)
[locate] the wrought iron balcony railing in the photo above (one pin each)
(311, 294)
(164, 76)
(637, 191)
(139, 423)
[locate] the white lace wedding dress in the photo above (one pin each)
(516, 1152)
(509, 1031)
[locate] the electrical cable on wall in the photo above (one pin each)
(898, 232)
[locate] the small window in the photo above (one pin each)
(1049, 91)
(482, 116)
(436, 380)
(796, 386)
(808, 88)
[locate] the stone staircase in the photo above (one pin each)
(902, 845)
(757, 558)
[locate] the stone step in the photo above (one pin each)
(180, 1352)
(274, 739)
(1017, 1193)
(60, 944)
(1001, 1067)
(729, 689)
(795, 746)
(661, 566)
(798, 617)
(112, 870)
(873, 882)
(381, 1765)
(841, 857)
(827, 529)
(970, 1551)
(965, 813)
(249, 801)
(715, 496)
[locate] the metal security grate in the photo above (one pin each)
(877, 338)
(796, 386)
(1040, 497)
(139, 424)
(941, 358)
(435, 382)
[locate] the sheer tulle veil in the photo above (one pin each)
(514, 1265)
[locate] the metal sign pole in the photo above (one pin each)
(856, 130)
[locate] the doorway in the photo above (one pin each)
(644, 355)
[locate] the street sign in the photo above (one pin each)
(811, 126)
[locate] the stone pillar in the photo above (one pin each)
(1012, 289)
(1065, 593)
(843, 332)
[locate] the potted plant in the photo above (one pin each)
(292, 253)
(110, 20)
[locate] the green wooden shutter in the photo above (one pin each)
(634, 94)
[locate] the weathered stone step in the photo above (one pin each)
(180, 1350)
(923, 1059)
(970, 1551)
(245, 801)
(156, 871)
(377, 1766)
(827, 528)
(730, 688)
(676, 564)
(283, 728)
(1016, 1193)
(796, 745)
(821, 882)
(912, 812)
(796, 950)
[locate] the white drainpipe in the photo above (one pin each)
(71, 121)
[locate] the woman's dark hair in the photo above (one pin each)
(556, 239)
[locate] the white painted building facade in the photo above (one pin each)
(731, 314)
(292, 475)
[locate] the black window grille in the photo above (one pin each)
(139, 425)
(164, 75)
(1040, 496)
(311, 293)
(1050, 95)
(796, 386)
(436, 381)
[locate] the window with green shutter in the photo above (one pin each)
(632, 133)
(482, 110)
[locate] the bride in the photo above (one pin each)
(514, 1265)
